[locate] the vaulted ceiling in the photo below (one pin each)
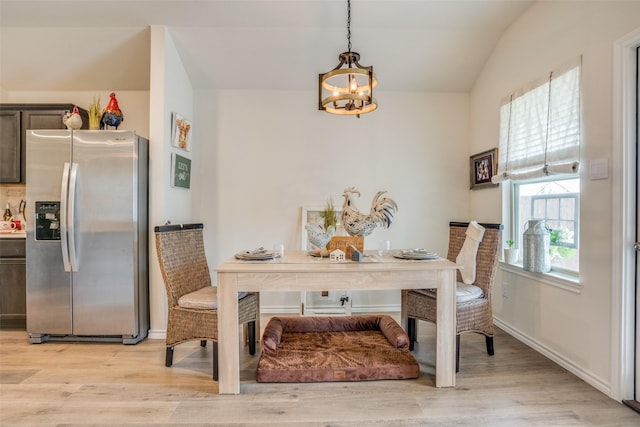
(423, 45)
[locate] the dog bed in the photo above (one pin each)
(345, 348)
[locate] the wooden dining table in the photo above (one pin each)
(298, 271)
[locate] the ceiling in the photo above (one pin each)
(424, 45)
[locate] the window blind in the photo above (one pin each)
(540, 128)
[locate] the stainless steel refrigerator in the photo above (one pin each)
(87, 266)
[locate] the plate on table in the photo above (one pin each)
(319, 253)
(259, 254)
(419, 254)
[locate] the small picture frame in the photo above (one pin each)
(312, 215)
(180, 171)
(482, 167)
(181, 129)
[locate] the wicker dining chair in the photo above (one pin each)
(475, 315)
(192, 301)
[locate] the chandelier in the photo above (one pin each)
(348, 90)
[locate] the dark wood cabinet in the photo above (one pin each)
(13, 289)
(10, 154)
(15, 120)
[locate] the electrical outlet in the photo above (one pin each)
(505, 290)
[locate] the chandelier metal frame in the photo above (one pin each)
(348, 91)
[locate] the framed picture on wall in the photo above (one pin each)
(313, 215)
(482, 167)
(180, 171)
(181, 132)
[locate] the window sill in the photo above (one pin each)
(559, 280)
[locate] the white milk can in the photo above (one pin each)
(536, 239)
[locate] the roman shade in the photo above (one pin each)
(540, 125)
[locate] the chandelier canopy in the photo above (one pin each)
(348, 88)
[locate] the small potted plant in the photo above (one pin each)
(95, 114)
(510, 253)
(330, 216)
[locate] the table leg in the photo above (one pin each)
(446, 330)
(404, 320)
(228, 334)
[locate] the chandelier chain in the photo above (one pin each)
(349, 24)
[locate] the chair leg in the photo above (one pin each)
(215, 360)
(457, 353)
(203, 343)
(252, 337)
(168, 358)
(489, 341)
(411, 331)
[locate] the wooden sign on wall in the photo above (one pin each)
(180, 171)
(346, 244)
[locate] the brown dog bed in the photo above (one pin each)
(345, 348)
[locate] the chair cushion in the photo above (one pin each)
(203, 299)
(465, 292)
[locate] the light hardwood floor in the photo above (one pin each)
(55, 384)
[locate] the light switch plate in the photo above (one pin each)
(598, 169)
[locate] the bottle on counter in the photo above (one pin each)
(7, 214)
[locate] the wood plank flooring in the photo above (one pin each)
(69, 384)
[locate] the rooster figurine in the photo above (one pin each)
(73, 120)
(318, 237)
(112, 116)
(359, 224)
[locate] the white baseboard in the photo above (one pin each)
(382, 308)
(280, 309)
(155, 334)
(578, 371)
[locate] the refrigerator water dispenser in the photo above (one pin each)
(47, 221)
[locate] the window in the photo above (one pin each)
(557, 201)
(539, 153)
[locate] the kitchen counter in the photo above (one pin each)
(22, 234)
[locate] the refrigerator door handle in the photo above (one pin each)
(73, 179)
(64, 191)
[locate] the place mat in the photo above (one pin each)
(259, 254)
(416, 254)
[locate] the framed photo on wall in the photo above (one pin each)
(181, 132)
(482, 167)
(180, 171)
(312, 215)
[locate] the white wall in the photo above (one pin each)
(575, 328)
(170, 91)
(269, 153)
